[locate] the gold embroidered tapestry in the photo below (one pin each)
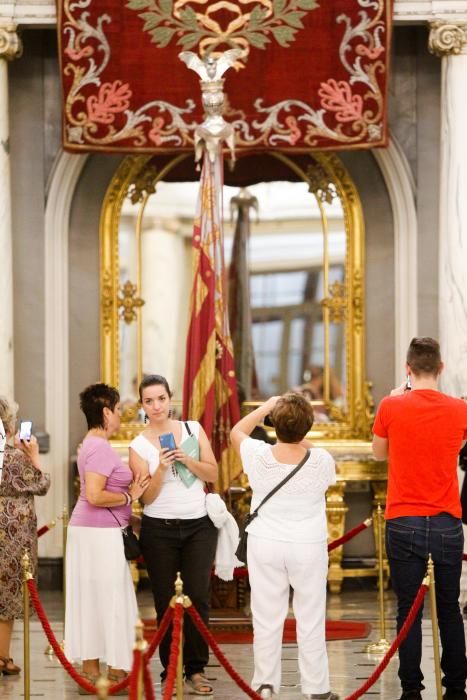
(313, 73)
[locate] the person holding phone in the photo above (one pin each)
(420, 433)
(176, 532)
(22, 480)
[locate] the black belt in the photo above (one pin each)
(173, 521)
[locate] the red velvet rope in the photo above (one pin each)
(134, 675)
(174, 651)
(162, 629)
(394, 646)
(224, 661)
(148, 686)
(85, 684)
(464, 557)
(42, 530)
(348, 536)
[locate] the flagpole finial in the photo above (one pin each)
(244, 199)
(214, 129)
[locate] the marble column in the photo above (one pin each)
(9, 48)
(449, 41)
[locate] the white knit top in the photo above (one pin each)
(297, 512)
(175, 500)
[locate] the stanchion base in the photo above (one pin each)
(380, 647)
(49, 648)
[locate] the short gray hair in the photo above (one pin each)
(8, 412)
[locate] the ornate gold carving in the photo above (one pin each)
(336, 510)
(10, 43)
(327, 177)
(128, 302)
(106, 301)
(336, 302)
(357, 299)
(320, 184)
(144, 184)
(447, 39)
(130, 413)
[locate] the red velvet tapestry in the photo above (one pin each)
(313, 74)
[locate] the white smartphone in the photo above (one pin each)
(25, 430)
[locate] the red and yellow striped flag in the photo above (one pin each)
(210, 389)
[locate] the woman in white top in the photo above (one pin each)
(287, 543)
(176, 532)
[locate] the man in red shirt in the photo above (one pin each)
(420, 432)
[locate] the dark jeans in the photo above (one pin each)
(188, 546)
(409, 541)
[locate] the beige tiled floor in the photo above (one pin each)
(350, 665)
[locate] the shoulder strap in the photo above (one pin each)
(281, 484)
(114, 516)
(187, 428)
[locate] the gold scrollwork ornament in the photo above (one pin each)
(128, 302)
(336, 302)
(448, 38)
(106, 301)
(10, 43)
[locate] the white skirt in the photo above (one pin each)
(101, 608)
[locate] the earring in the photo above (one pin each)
(145, 418)
(170, 413)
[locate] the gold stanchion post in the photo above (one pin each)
(65, 519)
(382, 645)
(102, 686)
(27, 576)
(48, 649)
(141, 645)
(179, 598)
(434, 628)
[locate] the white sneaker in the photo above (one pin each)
(265, 692)
(322, 696)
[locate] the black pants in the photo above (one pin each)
(409, 541)
(188, 546)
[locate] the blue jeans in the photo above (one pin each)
(409, 541)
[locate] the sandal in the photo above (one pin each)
(8, 667)
(117, 678)
(199, 684)
(90, 679)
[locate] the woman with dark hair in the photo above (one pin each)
(22, 479)
(176, 532)
(101, 609)
(287, 542)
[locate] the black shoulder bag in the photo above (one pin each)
(242, 544)
(130, 541)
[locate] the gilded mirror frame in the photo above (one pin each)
(138, 178)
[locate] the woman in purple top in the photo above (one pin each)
(101, 609)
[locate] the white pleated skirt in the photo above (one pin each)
(101, 608)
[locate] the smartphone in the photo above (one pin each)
(25, 430)
(408, 383)
(167, 440)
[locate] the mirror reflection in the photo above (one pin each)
(289, 261)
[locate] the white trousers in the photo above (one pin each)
(273, 567)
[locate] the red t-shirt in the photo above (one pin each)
(425, 429)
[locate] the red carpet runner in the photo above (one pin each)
(335, 629)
